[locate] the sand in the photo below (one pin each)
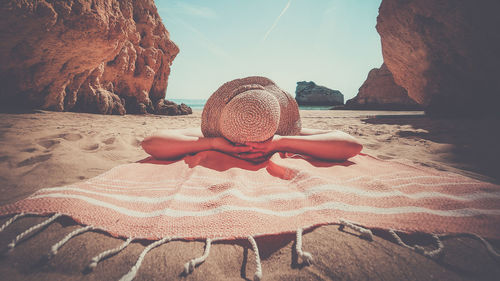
(44, 149)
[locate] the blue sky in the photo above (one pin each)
(331, 42)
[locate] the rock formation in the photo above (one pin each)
(444, 52)
(380, 92)
(166, 107)
(107, 56)
(308, 93)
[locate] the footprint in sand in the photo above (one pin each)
(71, 136)
(109, 140)
(91, 147)
(48, 143)
(373, 145)
(34, 160)
(67, 136)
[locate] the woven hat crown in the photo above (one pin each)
(251, 109)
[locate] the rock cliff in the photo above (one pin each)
(444, 52)
(308, 93)
(108, 56)
(380, 92)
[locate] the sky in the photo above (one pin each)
(331, 42)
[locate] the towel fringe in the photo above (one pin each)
(436, 253)
(364, 232)
(133, 271)
(305, 256)
(19, 237)
(258, 266)
(190, 265)
(11, 220)
(95, 260)
(56, 246)
(486, 244)
(398, 239)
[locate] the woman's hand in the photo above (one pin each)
(250, 151)
(260, 150)
(256, 157)
(241, 151)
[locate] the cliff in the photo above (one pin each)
(380, 92)
(445, 53)
(108, 57)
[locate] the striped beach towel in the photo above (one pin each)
(211, 195)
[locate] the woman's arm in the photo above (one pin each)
(327, 145)
(171, 144)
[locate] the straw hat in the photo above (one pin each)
(251, 109)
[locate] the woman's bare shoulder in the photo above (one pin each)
(309, 131)
(192, 132)
(330, 134)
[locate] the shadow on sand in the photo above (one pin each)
(475, 142)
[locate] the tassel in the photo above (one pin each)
(11, 220)
(190, 265)
(305, 256)
(419, 249)
(364, 233)
(95, 260)
(436, 253)
(258, 271)
(398, 239)
(133, 271)
(486, 244)
(19, 237)
(63, 241)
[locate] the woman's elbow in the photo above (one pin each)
(148, 145)
(352, 149)
(356, 148)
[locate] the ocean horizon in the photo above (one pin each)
(200, 103)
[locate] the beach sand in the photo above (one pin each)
(46, 149)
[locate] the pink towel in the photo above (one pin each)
(213, 195)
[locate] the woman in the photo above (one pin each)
(251, 118)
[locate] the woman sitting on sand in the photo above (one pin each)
(251, 118)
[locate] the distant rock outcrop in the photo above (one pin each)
(166, 107)
(308, 93)
(379, 92)
(444, 52)
(108, 57)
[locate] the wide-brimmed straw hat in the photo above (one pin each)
(251, 109)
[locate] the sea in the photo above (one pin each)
(200, 103)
